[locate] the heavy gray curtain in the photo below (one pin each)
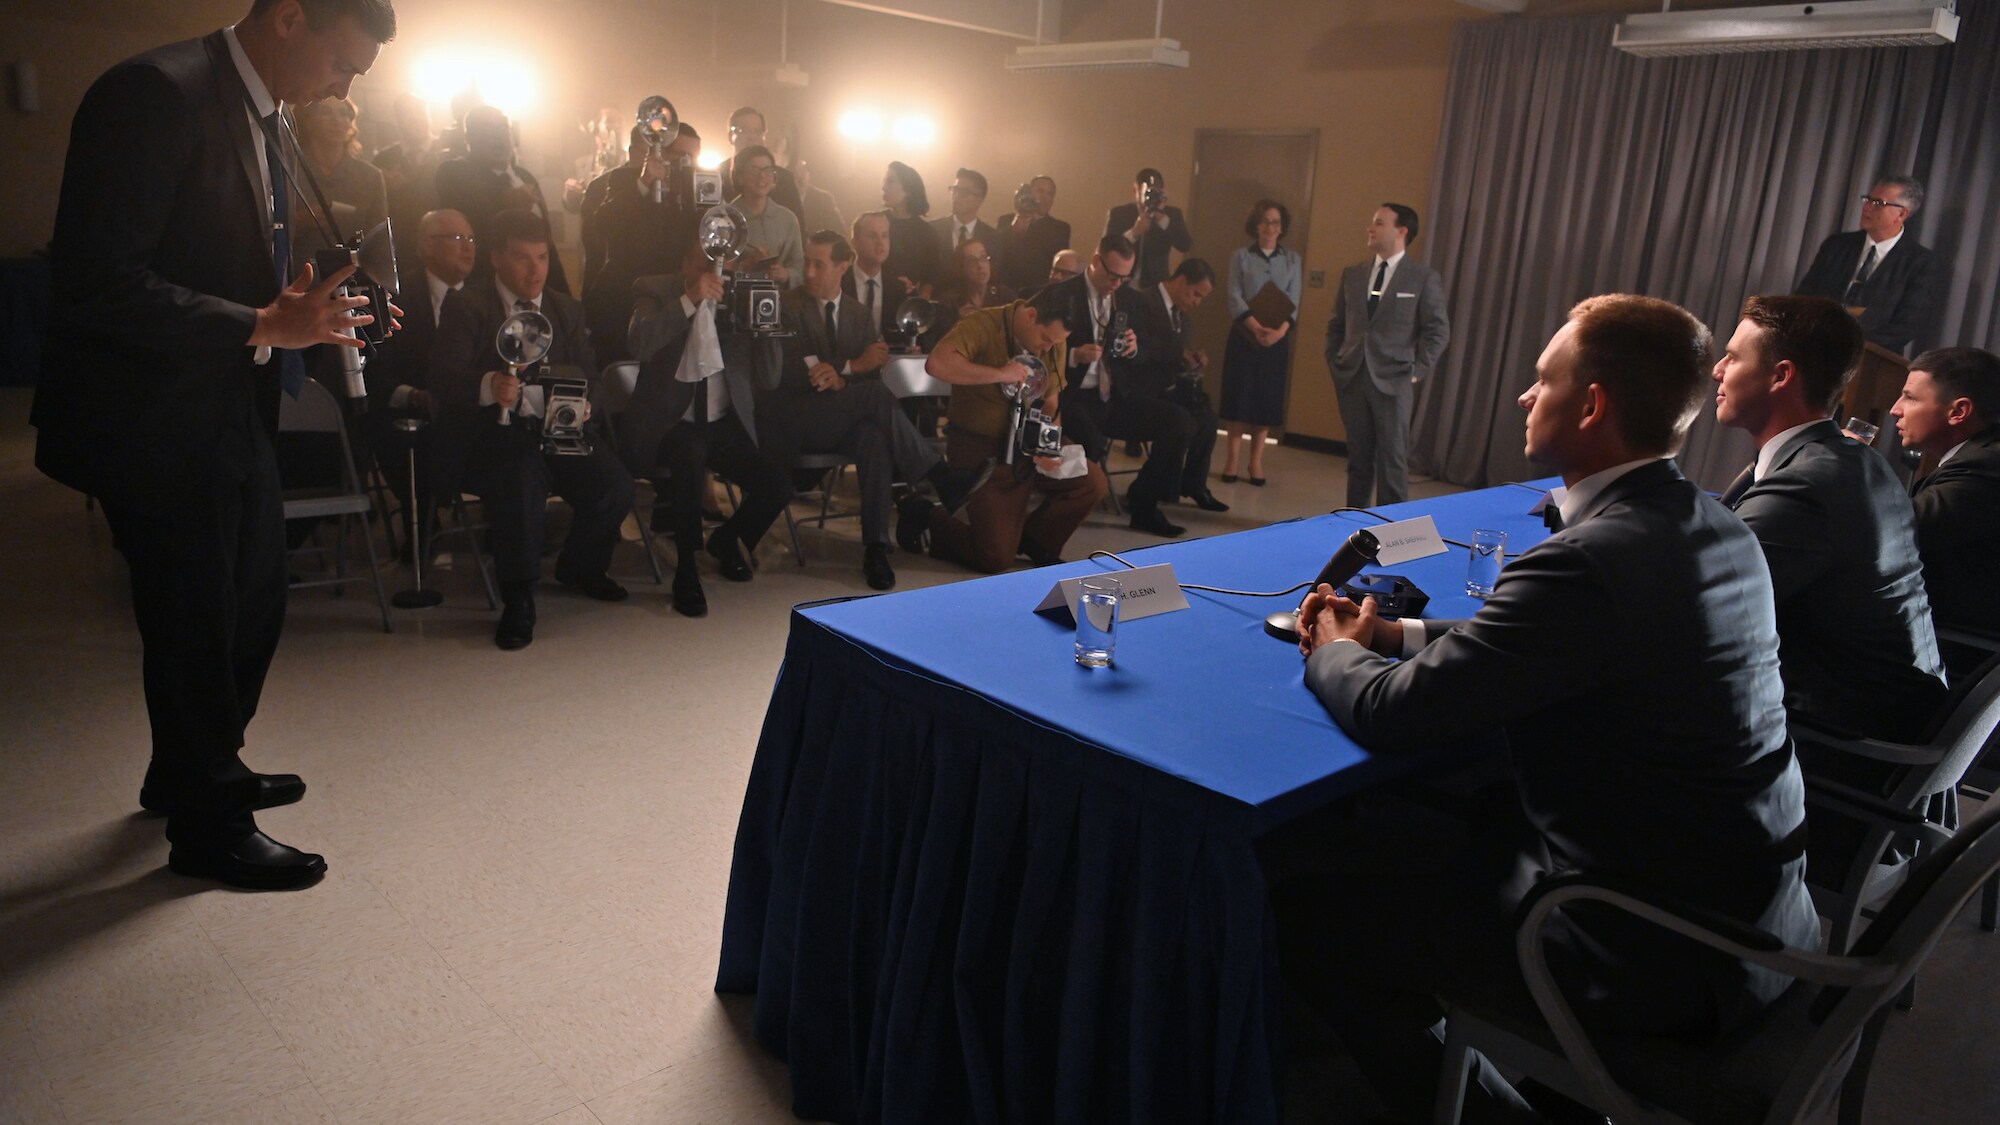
(1566, 169)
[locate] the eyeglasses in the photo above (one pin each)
(979, 257)
(956, 190)
(461, 239)
(1270, 222)
(1871, 201)
(770, 170)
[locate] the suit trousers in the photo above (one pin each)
(1182, 434)
(208, 590)
(862, 422)
(692, 448)
(513, 479)
(996, 524)
(1378, 439)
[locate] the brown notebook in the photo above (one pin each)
(1271, 307)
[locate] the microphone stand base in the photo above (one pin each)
(416, 599)
(1283, 625)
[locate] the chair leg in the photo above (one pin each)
(1989, 907)
(645, 522)
(1452, 1078)
(1906, 1000)
(1854, 1088)
(375, 569)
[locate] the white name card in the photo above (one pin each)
(1145, 592)
(1407, 539)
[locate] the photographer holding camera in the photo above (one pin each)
(1029, 239)
(640, 237)
(982, 354)
(490, 430)
(1151, 225)
(774, 246)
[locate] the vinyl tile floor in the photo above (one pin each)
(528, 854)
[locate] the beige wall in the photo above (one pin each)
(1369, 74)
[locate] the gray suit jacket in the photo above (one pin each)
(853, 328)
(1854, 627)
(1632, 659)
(1958, 534)
(1402, 340)
(659, 335)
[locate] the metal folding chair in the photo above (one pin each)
(316, 412)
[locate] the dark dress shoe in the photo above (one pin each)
(1150, 519)
(956, 486)
(729, 556)
(264, 791)
(689, 601)
(1258, 481)
(1206, 501)
(875, 567)
(599, 586)
(1229, 478)
(256, 863)
(1038, 557)
(913, 522)
(517, 625)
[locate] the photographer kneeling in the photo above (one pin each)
(978, 357)
(489, 438)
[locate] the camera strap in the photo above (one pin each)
(322, 215)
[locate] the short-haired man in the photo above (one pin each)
(977, 357)
(399, 376)
(1854, 629)
(1950, 410)
(489, 431)
(773, 244)
(868, 281)
(1031, 236)
(747, 129)
(488, 180)
(1893, 284)
(830, 399)
(963, 224)
(1388, 328)
(1631, 659)
(638, 237)
(1065, 265)
(1156, 394)
(1150, 224)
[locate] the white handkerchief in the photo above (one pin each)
(1073, 464)
(703, 355)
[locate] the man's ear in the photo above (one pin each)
(1784, 375)
(1959, 412)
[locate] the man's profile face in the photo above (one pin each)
(319, 64)
(1886, 220)
(1555, 402)
(1384, 237)
(823, 274)
(523, 267)
(448, 249)
(1923, 417)
(1743, 380)
(1188, 296)
(871, 241)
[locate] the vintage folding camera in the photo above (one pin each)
(1034, 436)
(565, 405)
(752, 304)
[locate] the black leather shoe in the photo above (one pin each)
(256, 863)
(729, 556)
(599, 586)
(956, 486)
(1150, 519)
(875, 567)
(1037, 557)
(517, 625)
(264, 791)
(913, 522)
(689, 601)
(1206, 501)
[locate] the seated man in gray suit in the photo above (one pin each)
(830, 398)
(1387, 331)
(1950, 409)
(1632, 660)
(1854, 628)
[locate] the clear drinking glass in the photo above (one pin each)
(1861, 431)
(1489, 554)
(1097, 621)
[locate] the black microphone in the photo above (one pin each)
(1359, 550)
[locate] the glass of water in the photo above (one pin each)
(1489, 554)
(1097, 621)
(1862, 430)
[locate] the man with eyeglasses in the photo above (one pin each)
(1890, 282)
(963, 225)
(773, 243)
(747, 130)
(399, 375)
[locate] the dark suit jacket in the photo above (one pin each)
(463, 352)
(659, 337)
(1156, 246)
(805, 318)
(639, 238)
(947, 233)
(893, 295)
(405, 358)
(1022, 261)
(1401, 340)
(475, 191)
(161, 258)
(1958, 534)
(1632, 659)
(1078, 320)
(1162, 348)
(1900, 299)
(1854, 627)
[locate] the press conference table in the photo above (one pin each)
(976, 882)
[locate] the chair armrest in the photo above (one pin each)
(1987, 641)
(1818, 734)
(1871, 809)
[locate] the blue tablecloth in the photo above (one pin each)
(975, 882)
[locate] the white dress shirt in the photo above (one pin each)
(1881, 249)
(260, 97)
(1769, 452)
(861, 292)
(1394, 260)
(530, 402)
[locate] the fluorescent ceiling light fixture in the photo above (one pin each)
(1086, 58)
(1793, 27)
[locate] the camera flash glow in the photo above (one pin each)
(710, 159)
(861, 125)
(507, 84)
(916, 131)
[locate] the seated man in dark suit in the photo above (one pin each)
(489, 431)
(830, 398)
(1854, 628)
(1151, 225)
(1882, 276)
(1168, 369)
(1632, 661)
(868, 282)
(694, 409)
(1950, 409)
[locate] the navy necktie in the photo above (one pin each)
(291, 365)
(1375, 290)
(832, 340)
(1740, 485)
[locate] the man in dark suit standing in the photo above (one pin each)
(489, 438)
(1030, 238)
(1388, 328)
(1854, 628)
(1632, 660)
(963, 225)
(173, 333)
(1151, 225)
(488, 180)
(1892, 284)
(1950, 409)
